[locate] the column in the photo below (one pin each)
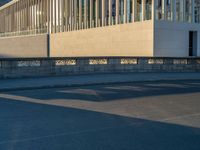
(97, 12)
(39, 15)
(110, 12)
(91, 12)
(163, 9)
(174, 10)
(193, 12)
(66, 14)
(134, 9)
(125, 11)
(184, 9)
(62, 7)
(55, 16)
(143, 10)
(48, 15)
(58, 15)
(70, 15)
(117, 12)
(153, 10)
(85, 13)
(80, 14)
(103, 13)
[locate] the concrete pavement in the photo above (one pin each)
(162, 115)
(92, 79)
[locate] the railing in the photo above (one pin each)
(27, 67)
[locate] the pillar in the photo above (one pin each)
(117, 12)
(51, 16)
(70, 15)
(193, 12)
(85, 13)
(143, 10)
(80, 14)
(59, 25)
(66, 14)
(125, 11)
(97, 12)
(134, 9)
(164, 9)
(184, 9)
(110, 12)
(153, 10)
(174, 10)
(103, 13)
(91, 12)
(75, 14)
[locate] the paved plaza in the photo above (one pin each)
(157, 115)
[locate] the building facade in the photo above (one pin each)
(58, 28)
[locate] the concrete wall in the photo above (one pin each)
(172, 39)
(24, 46)
(134, 39)
(18, 68)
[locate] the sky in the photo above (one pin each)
(3, 2)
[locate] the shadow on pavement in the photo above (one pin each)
(27, 126)
(100, 93)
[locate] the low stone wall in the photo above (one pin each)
(35, 67)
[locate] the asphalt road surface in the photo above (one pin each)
(132, 116)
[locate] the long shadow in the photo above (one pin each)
(27, 126)
(112, 92)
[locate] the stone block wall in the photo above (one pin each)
(37, 67)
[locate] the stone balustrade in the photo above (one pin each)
(37, 67)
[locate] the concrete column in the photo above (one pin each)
(174, 10)
(75, 14)
(61, 15)
(48, 16)
(164, 9)
(117, 12)
(91, 12)
(143, 10)
(80, 14)
(184, 5)
(125, 11)
(32, 16)
(153, 10)
(85, 13)
(59, 24)
(55, 16)
(70, 15)
(193, 12)
(42, 14)
(66, 14)
(97, 12)
(51, 12)
(36, 18)
(39, 14)
(110, 12)
(134, 8)
(103, 13)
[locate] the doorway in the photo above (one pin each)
(192, 43)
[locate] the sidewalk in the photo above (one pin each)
(92, 79)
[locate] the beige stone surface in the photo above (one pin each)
(24, 46)
(172, 38)
(134, 39)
